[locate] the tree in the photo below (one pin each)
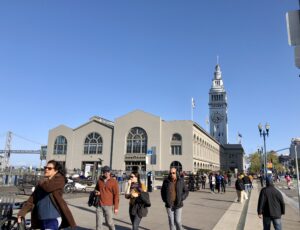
(274, 159)
(255, 162)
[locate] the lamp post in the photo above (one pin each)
(264, 132)
(260, 152)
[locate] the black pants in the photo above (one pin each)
(135, 220)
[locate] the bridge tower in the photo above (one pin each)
(7, 149)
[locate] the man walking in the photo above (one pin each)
(270, 206)
(173, 193)
(108, 190)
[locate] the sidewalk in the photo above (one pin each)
(202, 210)
(290, 221)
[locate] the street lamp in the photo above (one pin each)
(264, 133)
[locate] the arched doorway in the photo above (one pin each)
(135, 157)
(177, 165)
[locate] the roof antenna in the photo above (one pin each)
(217, 59)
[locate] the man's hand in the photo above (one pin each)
(116, 211)
(19, 219)
(260, 216)
(97, 193)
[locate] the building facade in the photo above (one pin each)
(135, 139)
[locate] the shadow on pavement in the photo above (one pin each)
(188, 228)
(82, 208)
(229, 201)
(81, 228)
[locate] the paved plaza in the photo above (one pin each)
(202, 210)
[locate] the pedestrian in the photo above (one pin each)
(218, 182)
(108, 191)
(203, 181)
(261, 179)
(239, 186)
(247, 184)
(251, 181)
(288, 181)
(270, 206)
(229, 178)
(223, 183)
(46, 203)
(133, 192)
(212, 182)
(173, 193)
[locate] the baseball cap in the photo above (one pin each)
(105, 168)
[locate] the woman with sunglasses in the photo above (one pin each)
(47, 206)
(133, 192)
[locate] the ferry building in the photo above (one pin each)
(146, 140)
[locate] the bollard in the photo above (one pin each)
(6, 180)
(16, 180)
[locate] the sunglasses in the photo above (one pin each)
(172, 172)
(48, 168)
(132, 176)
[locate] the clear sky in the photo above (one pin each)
(62, 62)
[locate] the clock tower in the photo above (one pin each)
(218, 108)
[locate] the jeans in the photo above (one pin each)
(135, 220)
(108, 214)
(247, 188)
(49, 224)
(174, 216)
(267, 223)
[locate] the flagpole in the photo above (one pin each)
(192, 112)
(192, 108)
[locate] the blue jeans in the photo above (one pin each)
(267, 223)
(174, 216)
(108, 214)
(51, 224)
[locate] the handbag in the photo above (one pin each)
(93, 199)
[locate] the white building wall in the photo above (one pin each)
(184, 128)
(80, 135)
(150, 123)
(53, 134)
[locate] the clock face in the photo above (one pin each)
(217, 117)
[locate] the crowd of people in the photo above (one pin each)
(50, 211)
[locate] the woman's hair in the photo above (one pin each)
(58, 167)
(137, 175)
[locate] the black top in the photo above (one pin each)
(270, 203)
(239, 185)
(181, 193)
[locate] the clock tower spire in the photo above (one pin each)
(218, 108)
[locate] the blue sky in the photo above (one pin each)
(62, 62)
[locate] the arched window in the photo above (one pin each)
(60, 145)
(93, 144)
(137, 141)
(176, 144)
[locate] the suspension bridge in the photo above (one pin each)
(6, 153)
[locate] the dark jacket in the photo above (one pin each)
(270, 203)
(246, 180)
(141, 204)
(181, 193)
(239, 185)
(55, 188)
